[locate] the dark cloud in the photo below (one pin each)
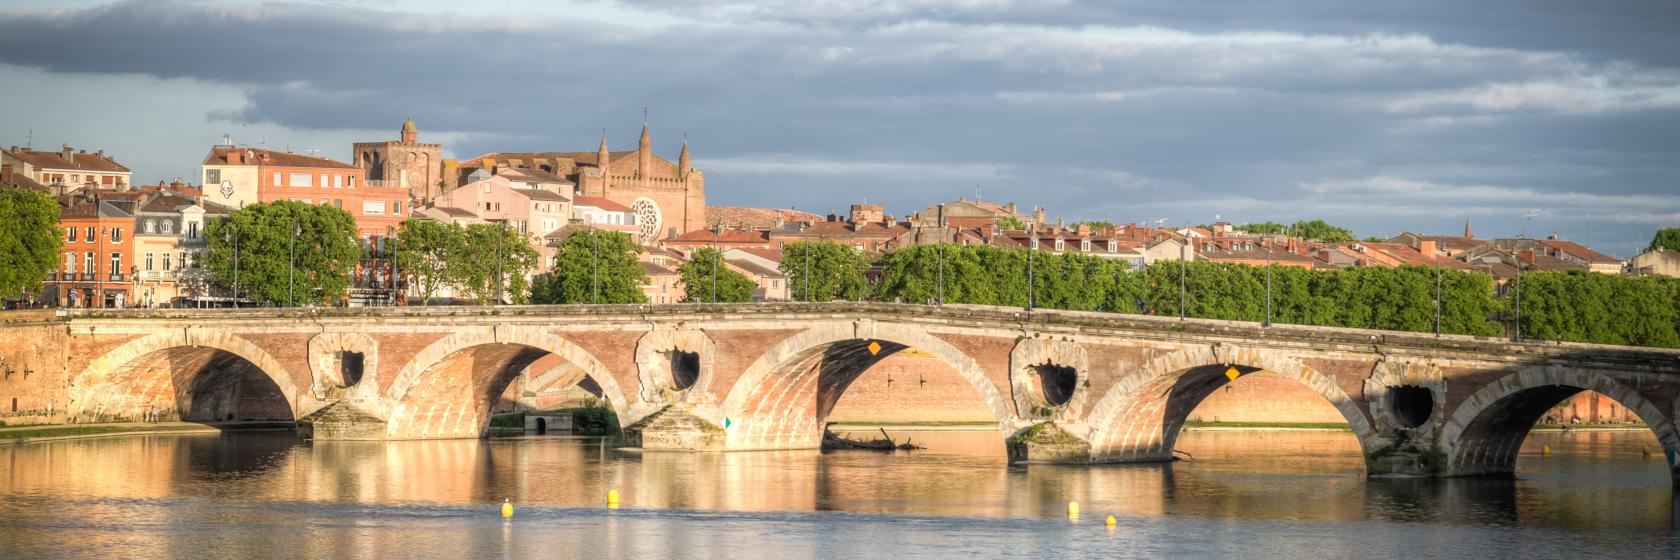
(1363, 114)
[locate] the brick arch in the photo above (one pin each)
(1138, 419)
(1485, 432)
(441, 410)
(114, 385)
(763, 407)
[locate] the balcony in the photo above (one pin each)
(115, 277)
(87, 276)
(382, 184)
(156, 275)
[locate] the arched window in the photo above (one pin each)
(151, 226)
(168, 226)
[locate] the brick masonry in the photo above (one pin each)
(773, 374)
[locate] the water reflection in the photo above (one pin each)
(1598, 484)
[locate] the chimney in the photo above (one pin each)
(1084, 229)
(1039, 216)
(1427, 247)
(69, 154)
(1527, 255)
(235, 157)
(1009, 208)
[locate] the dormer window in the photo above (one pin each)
(1113, 247)
(1085, 245)
(168, 226)
(151, 226)
(1060, 246)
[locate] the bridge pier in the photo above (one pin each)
(674, 428)
(341, 421)
(1047, 443)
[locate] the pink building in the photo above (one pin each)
(533, 208)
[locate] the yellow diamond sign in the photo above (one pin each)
(1232, 373)
(874, 348)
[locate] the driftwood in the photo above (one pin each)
(832, 441)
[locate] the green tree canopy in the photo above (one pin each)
(282, 244)
(492, 259)
(698, 280)
(1667, 238)
(986, 275)
(836, 271)
(1316, 230)
(423, 250)
(29, 240)
(1010, 222)
(594, 266)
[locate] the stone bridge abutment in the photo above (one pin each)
(1060, 386)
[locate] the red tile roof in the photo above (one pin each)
(79, 161)
(757, 218)
(1579, 251)
(600, 202)
(219, 156)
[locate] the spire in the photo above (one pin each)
(602, 159)
(644, 152)
(683, 162)
(1467, 229)
(410, 133)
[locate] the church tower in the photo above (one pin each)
(684, 164)
(644, 154)
(403, 162)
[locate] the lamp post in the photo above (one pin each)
(716, 231)
(500, 235)
(1032, 247)
(1437, 296)
(391, 253)
(941, 274)
(594, 264)
(1268, 321)
(234, 232)
(1183, 245)
(807, 271)
(291, 262)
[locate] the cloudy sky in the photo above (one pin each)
(1411, 115)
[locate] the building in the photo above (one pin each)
(723, 239)
(98, 251)
(757, 218)
(236, 177)
(1655, 262)
(602, 213)
(667, 198)
(664, 283)
(964, 213)
(763, 268)
(66, 169)
(169, 245)
(403, 163)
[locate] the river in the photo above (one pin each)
(1254, 494)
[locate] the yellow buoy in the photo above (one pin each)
(1073, 509)
(507, 508)
(1545, 450)
(1110, 521)
(612, 499)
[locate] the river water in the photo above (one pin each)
(1246, 494)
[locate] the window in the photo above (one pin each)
(338, 181)
(277, 177)
(191, 258)
(338, 203)
(70, 263)
(149, 262)
(373, 207)
(498, 207)
(168, 226)
(151, 226)
(116, 265)
(1085, 245)
(74, 179)
(166, 267)
(116, 235)
(1059, 245)
(90, 233)
(1113, 247)
(212, 176)
(87, 263)
(72, 237)
(301, 180)
(396, 207)
(350, 181)
(487, 186)
(192, 230)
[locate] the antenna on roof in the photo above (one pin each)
(1528, 217)
(30, 144)
(227, 139)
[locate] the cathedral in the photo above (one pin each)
(667, 198)
(405, 163)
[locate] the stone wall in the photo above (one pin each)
(32, 364)
(908, 387)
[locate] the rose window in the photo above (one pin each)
(647, 216)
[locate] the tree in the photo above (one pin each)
(594, 266)
(836, 271)
(698, 280)
(29, 240)
(1316, 230)
(288, 251)
(492, 261)
(1010, 222)
(1667, 238)
(422, 251)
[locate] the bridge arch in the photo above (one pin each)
(483, 361)
(781, 400)
(1484, 433)
(1139, 417)
(166, 373)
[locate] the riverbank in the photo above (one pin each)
(15, 435)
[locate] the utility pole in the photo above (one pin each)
(807, 251)
(1437, 296)
(235, 230)
(1185, 244)
(503, 234)
(716, 231)
(595, 264)
(1032, 247)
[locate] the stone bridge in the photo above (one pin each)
(1062, 386)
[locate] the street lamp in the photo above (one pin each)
(1268, 322)
(1183, 245)
(942, 273)
(391, 253)
(233, 228)
(291, 263)
(1032, 247)
(716, 231)
(807, 271)
(595, 264)
(1437, 296)
(501, 235)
